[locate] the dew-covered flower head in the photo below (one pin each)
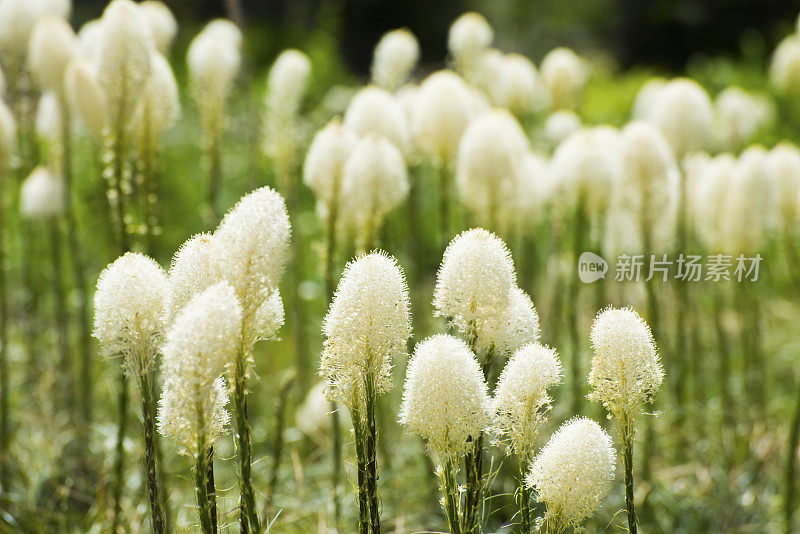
(565, 75)
(395, 56)
(445, 397)
(325, 160)
(573, 473)
(475, 280)
(367, 326)
(441, 111)
(252, 244)
(521, 402)
(42, 194)
(129, 310)
(626, 370)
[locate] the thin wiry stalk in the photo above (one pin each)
(523, 495)
(148, 418)
(371, 456)
(248, 517)
(211, 487)
(201, 490)
(627, 456)
(361, 469)
(451, 496)
(119, 460)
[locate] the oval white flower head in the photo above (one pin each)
(159, 106)
(516, 325)
(750, 204)
(180, 413)
(709, 205)
(214, 58)
(129, 311)
(626, 370)
(8, 133)
(42, 194)
(521, 402)
(784, 169)
(376, 111)
(684, 114)
(17, 21)
(366, 327)
(489, 163)
(252, 243)
(396, 55)
(533, 191)
(52, 45)
(784, 71)
(162, 23)
(325, 160)
(573, 473)
(475, 280)
(193, 269)
(287, 81)
(560, 125)
(648, 186)
(442, 109)
(647, 97)
(48, 119)
(445, 398)
(565, 75)
(89, 40)
(123, 60)
(313, 417)
(587, 164)
(204, 337)
(374, 182)
(519, 87)
(85, 96)
(469, 35)
(739, 117)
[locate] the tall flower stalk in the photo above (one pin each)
(626, 373)
(251, 247)
(367, 326)
(129, 321)
(202, 340)
(446, 402)
(7, 147)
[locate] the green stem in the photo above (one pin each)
(248, 517)
(211, 488)
(790, 504)
(214, 172)
(444, 202)
(363, 501)
(119, 462)
(523, 495)
(4, 394)
(277, 445)
(201, 489)
(148, 418)
(450, 496)
(371, 456)
(628, 464)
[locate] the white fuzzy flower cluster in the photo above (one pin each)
(521, 402)
(161, 22)
(489, 165)
(565, 74)
(129, 317)
(626, 370)
(644, 204)
(476, 288)
(573, 473)
(395, 56)
(469, 36)
(708, 185)
(560, 125)
(18, 18)
(376, 111)
(323, 169)
(445, 398)
(286, 86)
(783, 164)
(199, 346)
(587, 166)
(740, 116)
(49, 120)
(251, 248)
(193, 269)
(52, 46)
(159, 106)
(784, 69)
(374, 182)
(683, 112)
(366, 327)
(214, 58)
(749, 211)
(84, 95)
(42, 194)
(442, 108)
(512, 81)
